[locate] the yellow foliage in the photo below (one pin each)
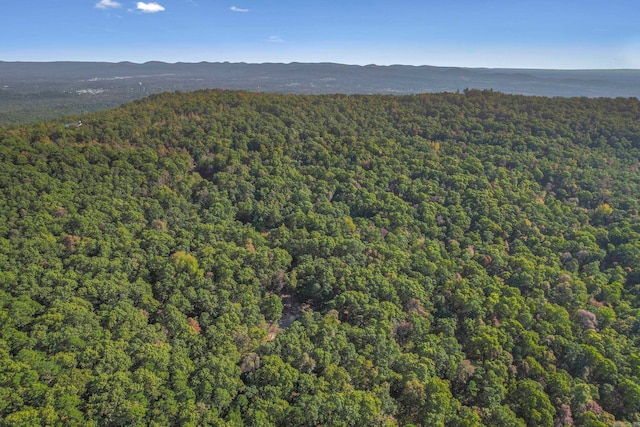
(604, 210)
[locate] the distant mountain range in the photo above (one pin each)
(32, 91)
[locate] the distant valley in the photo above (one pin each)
(32, 91)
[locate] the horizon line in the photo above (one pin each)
(313, 63)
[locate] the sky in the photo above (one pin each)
(559, 34)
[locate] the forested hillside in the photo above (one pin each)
(36, 91)
(226, 258)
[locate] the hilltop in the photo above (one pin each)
(32, 91)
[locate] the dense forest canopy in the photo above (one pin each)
(226, 258)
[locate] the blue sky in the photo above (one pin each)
(474, 33)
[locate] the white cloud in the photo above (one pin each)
(275, 39)
(237, 9)
(148, 7)
(105, 4)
